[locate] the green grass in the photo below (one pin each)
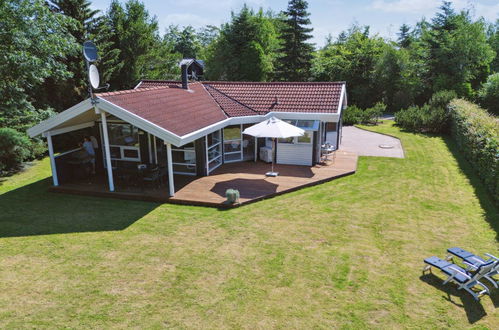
(345, 254)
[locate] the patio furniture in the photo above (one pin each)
(460, 276)
(151, 176)
(326, 149)
(473, 262)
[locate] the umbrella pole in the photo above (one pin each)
(273, 154)
(272, 173)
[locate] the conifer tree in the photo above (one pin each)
(296, 59)
(61, 94)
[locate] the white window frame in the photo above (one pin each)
(209, 148)
(188, 165)
(122, 148)
(240, 140)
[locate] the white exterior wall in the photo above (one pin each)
(332, 137)
(294, 154)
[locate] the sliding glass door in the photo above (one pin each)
(233, 151)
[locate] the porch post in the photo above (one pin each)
(171, 184)
(155, 150)
(256, 148)
(55, 179)
(107, 149)
(149, 147)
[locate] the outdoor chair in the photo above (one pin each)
(460, 276)
(151, 176)
(473, 261)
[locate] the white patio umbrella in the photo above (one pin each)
(273, 128)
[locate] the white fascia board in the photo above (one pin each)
(219, 125)
(60, 118)
(342, 99)
(71, 128)
(323, 116)
(138, 85)
(139, 122)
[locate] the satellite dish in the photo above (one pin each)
(90, 51)
(93, 76)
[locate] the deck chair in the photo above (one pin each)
(460, 276)
(473, 261)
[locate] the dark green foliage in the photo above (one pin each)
(353, 60)
(404, 36)
(432, 117)
(493, 40)
(29, 55)
(354, 115)
(58, 93)
(15, 148)
(135, 34)
(245, 49)
(458, 55)
(489, 94)
(297, 53)
(477, 135)
(183, 41)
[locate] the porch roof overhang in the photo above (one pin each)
(85, 113)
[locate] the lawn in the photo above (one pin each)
(344, 254)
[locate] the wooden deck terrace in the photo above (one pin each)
(247, 177)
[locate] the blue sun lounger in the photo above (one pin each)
(460, 276)
(473, 261)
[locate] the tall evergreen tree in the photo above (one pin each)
(184, 41)
(458, 55)
(404, 36)
(135, 33)
(61, 94)
(296, 61)
(245, 50)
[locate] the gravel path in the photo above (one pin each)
(365, 143)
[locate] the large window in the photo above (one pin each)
(232, 144)
(184, 159)
(306, 138)
(214, 150)
(123, 142)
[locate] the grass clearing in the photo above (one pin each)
(344, 254)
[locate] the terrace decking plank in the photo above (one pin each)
(247, 177)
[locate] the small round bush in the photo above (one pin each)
(15, 147)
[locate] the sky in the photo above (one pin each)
(327, 16)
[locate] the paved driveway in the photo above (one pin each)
(365, 143)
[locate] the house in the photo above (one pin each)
(191, 128)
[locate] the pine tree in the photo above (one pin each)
(404, 36)
(245, 50)
(62, 94)
(296, 61)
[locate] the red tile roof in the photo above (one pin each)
(264, 97)
(166, 104)
(231, 107)
(177, 110)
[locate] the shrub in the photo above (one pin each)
(371, 115)
(15, 148)
(477, 135)
(432, 117)
(352, 115)
(489, 94)
(355, 115)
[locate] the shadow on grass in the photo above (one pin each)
(31, 210)
(474, 309)
(491, 210)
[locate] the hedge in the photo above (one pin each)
(476, 133)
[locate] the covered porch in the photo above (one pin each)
(247, 177)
